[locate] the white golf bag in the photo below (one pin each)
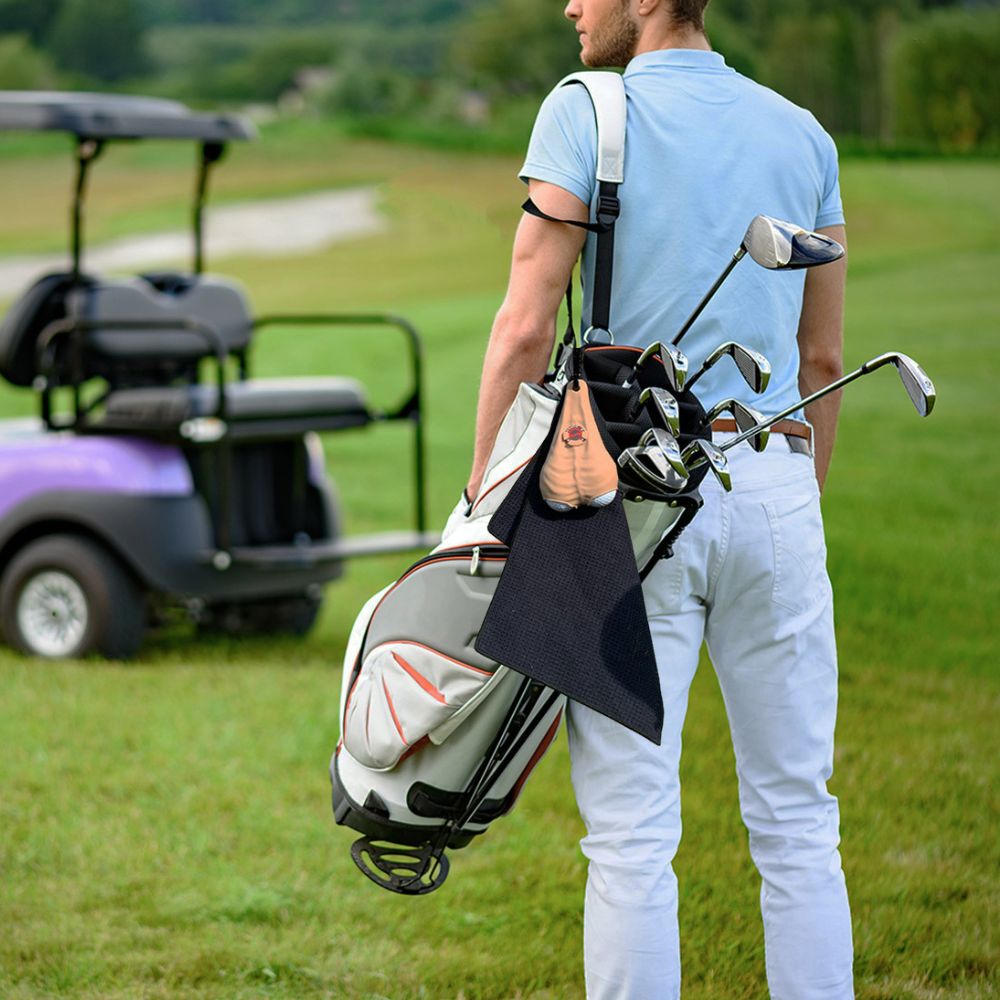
(436, 740)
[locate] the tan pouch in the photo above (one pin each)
(578, 470)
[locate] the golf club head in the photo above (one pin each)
(752, 365)
(746, 418)
(665, 406)
(704, 451)
(915, 380)
(657, 437)
(784, 246)
(670, 479)
(675, 364)
(630, 462)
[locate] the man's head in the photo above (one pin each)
(613, 31)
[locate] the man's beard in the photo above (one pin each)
(614, 44)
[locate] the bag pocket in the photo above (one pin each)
(404, 691)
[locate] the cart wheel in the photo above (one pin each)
(294, 615)
(63, 597)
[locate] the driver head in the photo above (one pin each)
(779, 245)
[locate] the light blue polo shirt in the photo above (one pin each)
(706, 150)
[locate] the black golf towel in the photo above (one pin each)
(568, 610)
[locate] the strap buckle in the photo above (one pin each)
(608, 210)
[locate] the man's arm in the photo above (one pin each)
(524, 329)
(821, 348)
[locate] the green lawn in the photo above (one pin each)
(164, 825)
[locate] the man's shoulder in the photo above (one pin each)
(770, 102)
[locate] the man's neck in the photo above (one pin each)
(670, 38)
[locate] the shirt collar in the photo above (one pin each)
(697, 59)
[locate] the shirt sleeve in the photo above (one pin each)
(563, 146)
(831, 210)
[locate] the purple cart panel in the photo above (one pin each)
(33, 461)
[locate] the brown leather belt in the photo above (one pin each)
(798, 433)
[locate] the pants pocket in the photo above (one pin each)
(799, 550)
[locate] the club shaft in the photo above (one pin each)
(805, 401)
(737, 257)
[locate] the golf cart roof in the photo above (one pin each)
(115, 116)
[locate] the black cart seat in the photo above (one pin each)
(259, 408)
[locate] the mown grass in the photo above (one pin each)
(164, 825)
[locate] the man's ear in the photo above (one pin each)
(647, 7)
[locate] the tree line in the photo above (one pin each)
(887, 74)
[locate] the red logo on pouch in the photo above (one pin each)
(574, 435)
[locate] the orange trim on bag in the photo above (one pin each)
(499, 482)
(419, 745)
(535, 758)
(436, 652)
(420, 679)
(392, 712)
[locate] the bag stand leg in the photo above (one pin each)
(415, 871)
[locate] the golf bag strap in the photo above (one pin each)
(607, 95)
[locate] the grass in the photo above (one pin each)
(164, 825)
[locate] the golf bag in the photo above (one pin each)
(437, 740)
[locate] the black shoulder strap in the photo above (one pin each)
(607, 93)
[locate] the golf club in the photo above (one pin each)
(746, 418)
(667, 443)
(778, 246)
(700, 451)
(665, 406)
(918, 387)
(630, 461)
(752, 365)
(671, 481)
(675, 365)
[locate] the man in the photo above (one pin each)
(706, 150)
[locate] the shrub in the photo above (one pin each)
(23, 67)
(945, 81)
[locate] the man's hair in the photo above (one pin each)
(690, 12)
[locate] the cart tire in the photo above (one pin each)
(63, 597)
(295, 615)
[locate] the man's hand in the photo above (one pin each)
(524, 329)
(821, 348)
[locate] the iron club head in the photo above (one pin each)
(700, 451)
(915, 380)
(746, 418)
(752, 365)
(675, 364)
(657, 437)
(784, 246)
(665, 406)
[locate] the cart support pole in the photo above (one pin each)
(87, 150)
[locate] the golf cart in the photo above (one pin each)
(159, 473)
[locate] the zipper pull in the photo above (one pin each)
(474, 565)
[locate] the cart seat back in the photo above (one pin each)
(43, 303)
(147, 348)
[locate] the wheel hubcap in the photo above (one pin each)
(52, 614)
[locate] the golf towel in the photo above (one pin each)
(568, 610)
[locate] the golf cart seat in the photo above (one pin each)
(145, 337)
(264, 407)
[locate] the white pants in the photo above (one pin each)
(749, 577)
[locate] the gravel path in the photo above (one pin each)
(273, 228)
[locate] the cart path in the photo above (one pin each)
(273, 228)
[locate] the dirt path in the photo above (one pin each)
(273, 228)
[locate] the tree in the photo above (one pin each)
(27, 17)
(102, 40)
(23, 67)
(515, 47)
